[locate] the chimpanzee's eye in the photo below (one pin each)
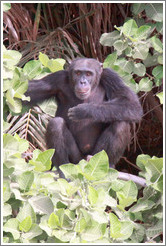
(78, 73)
(88, 74)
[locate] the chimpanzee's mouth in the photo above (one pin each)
(82, 94)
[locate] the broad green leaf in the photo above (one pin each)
(12, 226)
(98, 166)
(140, 51)
(93, 231)
(145, 84)
(11, 58)
(25, 180)
(43, 58)
(142, 32)
(26, 224)
(127, 195)
(158, 72)
(139, 69)
(32, 68)
(110, 60)
(6, 6)
(154, 11)
(33, 232)
(63, 235)
(80, 225)
(26, 211)
(108, 39)
(120, 45)
(160, 96)
(115, 226)
(137, 8)
(54, 65)
(53, 221)
(7, 210)
(130, 28)
(42, 204)
(43, 161)
(13, 103)
(10, 146)
(23, 144)
(156, 229)
(142, 206)
(125, 65)
(154, 167)
(70, 171)
(92, 195)
(159, 27)
(157, 44)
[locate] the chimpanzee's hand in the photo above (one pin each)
(78, 112)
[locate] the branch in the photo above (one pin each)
(135, 179)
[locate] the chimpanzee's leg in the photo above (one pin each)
(114, 141)
(60, 138)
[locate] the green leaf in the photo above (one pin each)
(130, 28)
(6, 6)
(120, 45)
(125, 65)
(137, 8)
(55, 65)
(7, 210)
(26, 211)
(158, 72)
(157, 44)
(11, 58)
(98, 166)
(70, 170)
(33, 232)
(145, 84)
(140, 51)
(110, 60)
(42, 204)
(25, 180)
(93, 231)
(108, 39)
(160, 96)
(80, 225)
(43, 161)
(12, 226)
(154, 230)
(154, 11)
(53, 221)
(92, 195)
(142, 32)
(120, 229)
(139, 69)
(26, 224)
(115, 226)
(32, 68)
(43, 58)
(127, 195)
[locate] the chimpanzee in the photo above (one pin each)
(95, 111)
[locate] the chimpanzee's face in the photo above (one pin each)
(85, 76)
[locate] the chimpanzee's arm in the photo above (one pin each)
(44, 88)
(122, 105)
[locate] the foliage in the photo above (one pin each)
(93, 206)
(137, 48)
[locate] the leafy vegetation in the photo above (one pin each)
(93, 206)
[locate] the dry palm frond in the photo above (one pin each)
(30, 126)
